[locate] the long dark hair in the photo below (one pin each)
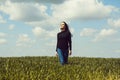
(67, 28)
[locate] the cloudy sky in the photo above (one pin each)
(29, 27)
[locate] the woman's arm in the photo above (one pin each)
(70, 44)
(57, 43)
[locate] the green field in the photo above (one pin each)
(49, 68)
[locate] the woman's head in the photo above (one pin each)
(64, 27)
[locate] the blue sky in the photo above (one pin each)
(29, 27)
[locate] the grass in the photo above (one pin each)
(49, 68)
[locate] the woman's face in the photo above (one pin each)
(62, 26)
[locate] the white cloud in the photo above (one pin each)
(108, 32)
(39, 1)
(38, 31)
(47, 28)
(11, 27)
(114, 23)
(87, 32)
(2, 20)
(24, 40)
(48, 24)
(104, 33)
(2, 38)
(2, 34)
(3, 41)
(25, 11)
(117, 51)
(82, 9)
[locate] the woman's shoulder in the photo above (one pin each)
(58, 32)
(64, 33)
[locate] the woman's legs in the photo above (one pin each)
(63, 56)
(60, 54)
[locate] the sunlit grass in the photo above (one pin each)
(49, 68)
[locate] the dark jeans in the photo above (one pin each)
(63, 55)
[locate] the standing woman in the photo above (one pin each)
(64, 43)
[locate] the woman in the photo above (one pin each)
(64, 43)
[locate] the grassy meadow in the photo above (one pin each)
(49, 68)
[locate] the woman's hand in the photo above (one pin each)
(56, 54)
(70, 52)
